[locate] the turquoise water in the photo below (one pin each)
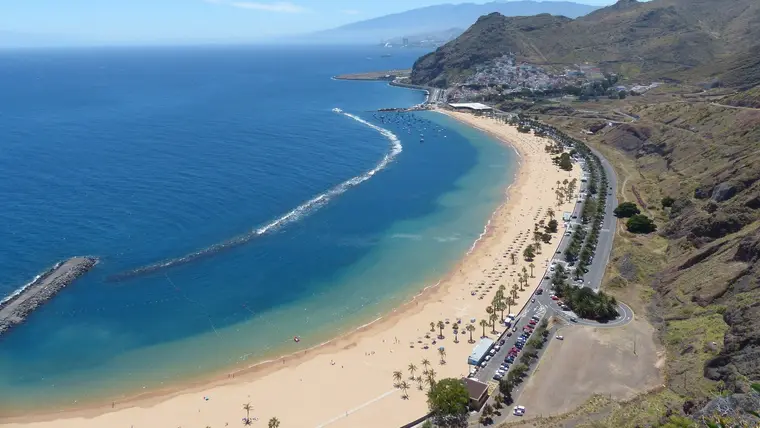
(143, 157)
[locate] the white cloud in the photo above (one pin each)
(350, 12)
(282, 6)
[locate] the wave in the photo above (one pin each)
(21, 289)
(293, 215)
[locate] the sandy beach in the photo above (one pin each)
(349, 381)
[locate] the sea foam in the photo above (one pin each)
(291, 216)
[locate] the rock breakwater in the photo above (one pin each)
(17, 307)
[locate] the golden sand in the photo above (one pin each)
(348, 382)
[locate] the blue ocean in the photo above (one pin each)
(236, 197)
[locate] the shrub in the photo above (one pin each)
(626, 209)
(640, 223)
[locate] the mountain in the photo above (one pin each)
(660, 39)
(438, 18)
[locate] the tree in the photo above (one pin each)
(565, 162)
(247, 407)
(640, 223)
(529, 253)
(550, 213)
(552, 226)
(397, 375)
(441, 325)
(404, 388)
(455, 329)
(668, 202)
(442, 353)
(448, 401)
(505, 388)
(427, 424)
(498, 401)
(626, 209)
(425, 365)
(493, 319)
(431, 377)
(274, 423)
(432, 327)
(470, 328)
(412, 368)
(484, 324)
(513, 257)
(519, 369)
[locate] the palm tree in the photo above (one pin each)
(404, 388)
(484, 324)
(247, 407)
(455, 327)
(441, 325)
(412, 368)
(550, 213)
(489, 311)
(470, 328)
(442, 353)
(274, 423)
(513, 257)
(432, 326)
(532, 266)
(397, 375)
(431, 377)
(493, 318)
(425, 364)
(514, 291)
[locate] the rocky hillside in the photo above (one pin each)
(660, 39)
(701, 272)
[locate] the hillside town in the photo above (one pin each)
(505, 77)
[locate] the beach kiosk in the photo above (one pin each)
(480, 351)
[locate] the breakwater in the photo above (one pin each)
(15, 308)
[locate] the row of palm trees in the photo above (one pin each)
(273, 423)
(565, 190)
(428, 373)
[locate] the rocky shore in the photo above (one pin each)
(15, 309)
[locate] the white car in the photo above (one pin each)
(560, 337)
(519, 410)
(483, 364)
(488, 358)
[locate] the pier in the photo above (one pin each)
(16, 308)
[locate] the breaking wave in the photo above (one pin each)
(290, 217)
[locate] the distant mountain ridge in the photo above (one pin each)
(443, 17)
(659, 39)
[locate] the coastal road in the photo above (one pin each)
(541, 305)
(593, 278)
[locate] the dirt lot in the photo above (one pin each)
(592, 361)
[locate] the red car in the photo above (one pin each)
(514, 349)
(532, 322)
(555, 298)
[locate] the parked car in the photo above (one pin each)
(501, 342)
(560, 337)
(519, 410)
(540, 291)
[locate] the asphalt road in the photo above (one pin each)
(542, 305)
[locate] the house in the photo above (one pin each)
(478, 392)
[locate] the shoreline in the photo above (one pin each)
(428, 296)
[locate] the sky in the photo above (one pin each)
(167, 21)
